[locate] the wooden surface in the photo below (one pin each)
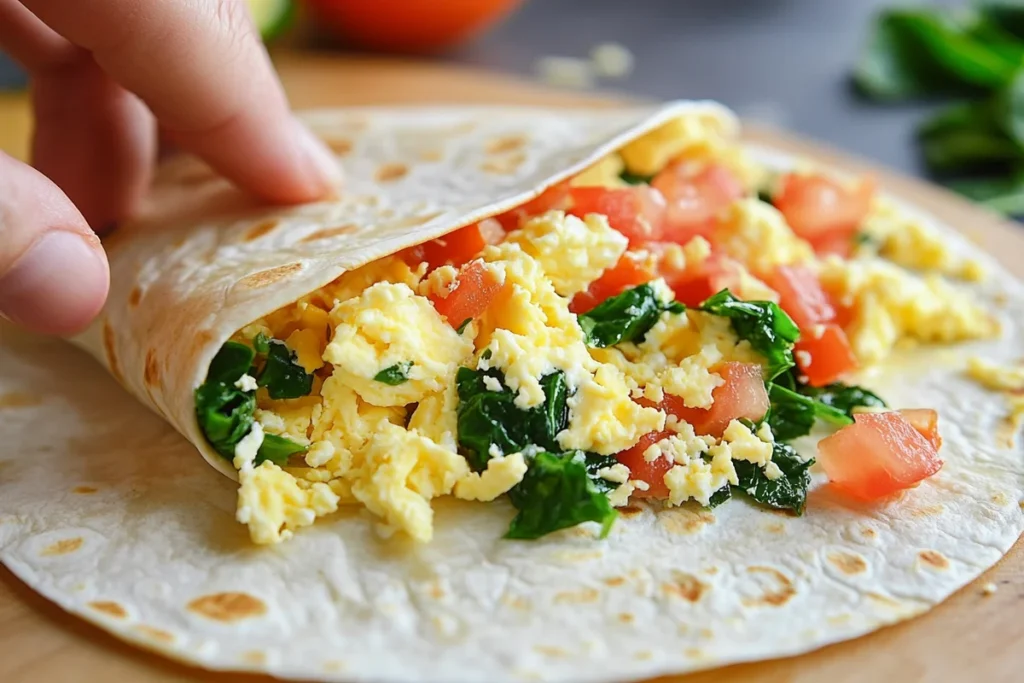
(971, 636)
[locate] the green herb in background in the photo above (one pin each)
(974, 54)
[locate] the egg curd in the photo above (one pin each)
(587, 356)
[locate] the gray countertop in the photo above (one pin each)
(785, 62)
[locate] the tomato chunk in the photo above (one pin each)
(823, 355)
(823, 210)
(555, 197)
(628, 272)
(879, 454)
(926, 422)
(455, 249)
(742, 396)
(695, 199)
(637, 212)
(802, 297)
(472, 292)
(695, 284)
(651, 472)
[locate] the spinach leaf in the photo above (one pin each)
(769, 330)
(261, 343)
(968, 150)
(718, 497)
(626, 317)
(277, 449)
(224, 413)
(595, 462)
(788, 492)
(844, 397)
(1007, 15)
(231, 362)
(558, 492)
(465, 323)
(282, 375)
(395, 374)
(634, 179)
(793, 415)
(487, 418)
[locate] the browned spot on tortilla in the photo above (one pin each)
(84, 490)
(340, 146)
(579, 555)
(269, 276)
(111, 608)
(774, 598)
(331, 232)
(643, 654)
(19, 399)
(334, 665)
(848, 563)
(155, 633)
(579, 531)
(109, 348)
(706, 633)
(550, 651)
(228, 607)
(259, 230)
(581, 596)
(686, 586)
(63, 547)
(1000, 498)
(927, 511)
(254, 657)
(436, 590)
(388, 172)
(839, 619)
(693, 652)
(515, 602)
(775, 528)
(201, 339)
(883, 599)
(151, 373)
(934, 559)
(711, 571)
(504, 165)
(868, 532)
(134, 296)
(509, 143)
(684, 521)
(615, 581)
(630, 511)
(430, 155)
(626, 617)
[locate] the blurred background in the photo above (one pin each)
(783, 62)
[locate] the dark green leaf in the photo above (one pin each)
(634, 179)
(995, 38)
(718, 497)
(788, 492)
(488, 417)
(282, 375)
(765, 196)
(395, 374)
(793, 415)
(596, 462)
(224, 413)
(1008, 15)
(968, 150)
(262, 344)
(769, 330)
(465, 323)
(231, 362)
(844, 397)
(979, 117)
(557, 492)
(625, 317)
(277, 449)
(1008, 108)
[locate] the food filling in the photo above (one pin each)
(660, 327)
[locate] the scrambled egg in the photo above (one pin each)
(1006, 379)
(756, 234)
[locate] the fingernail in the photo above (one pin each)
(57, 286)
(319, 156)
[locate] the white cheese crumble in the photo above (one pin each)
(246, 383)
(248, 447)
(492, 383)
(612, 60)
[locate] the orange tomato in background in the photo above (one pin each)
(409, 25)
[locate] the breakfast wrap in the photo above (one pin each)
(573, 395)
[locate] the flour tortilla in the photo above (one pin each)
(105, 510)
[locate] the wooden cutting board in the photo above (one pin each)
(971, 636)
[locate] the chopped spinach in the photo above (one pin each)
(844, 397)
(395, 374)
(718, 497)
(558, 492)
(231, 362)
(282, 376)
(596, 462)
(465, 323)
(765, 196)
(625, 317)
(788, 492)
(769, 330)
(261, 343)
(793, 414)
(487, 418)
(277, 449)
(634, 179)
(224, 413)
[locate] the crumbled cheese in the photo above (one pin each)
(603, 419)
(247, 448)
(772, 471)
(272, 503)
(612, 60)
(492, 383)
(617, 473)
(742, 444)
(246, 383)
(502, 474)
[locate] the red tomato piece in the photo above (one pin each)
(651, 472)
(823, 355)
(879, 454)
(743, 395)
(637, 212)
(555, 197)
(802, 297)
(472, 292)
(822, 210)
(695, 199)
(694, 285)
(926, 422)
(623, 275)
(838, 244)
(454, 249)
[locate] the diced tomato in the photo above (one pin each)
(839, 244)
(455, 249)
(742, 396)
(637, 212)
(695, 199)
(651, 472)
(823, 354)
(879, 454)
(472, 292)
(823, 210)
(695, 284)
(926, 422)
(628, 272)
(555, 197)
(802, 297)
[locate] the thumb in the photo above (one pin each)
(53, 272)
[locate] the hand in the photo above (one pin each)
(105, 74)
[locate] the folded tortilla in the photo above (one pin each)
(105, 510)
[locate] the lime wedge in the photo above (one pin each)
(272, 17)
